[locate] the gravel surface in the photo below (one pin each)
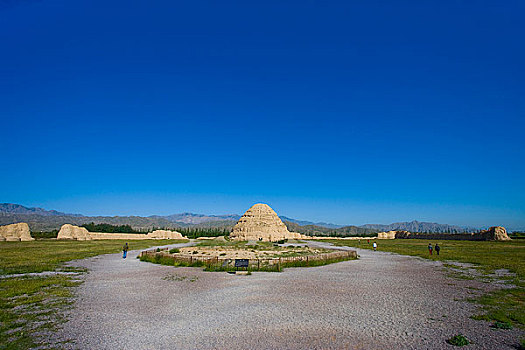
(381, 301)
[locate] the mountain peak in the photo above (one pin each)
(10, 208)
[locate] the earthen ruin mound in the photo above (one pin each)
(261, 223)
(68, 231)
(496, 233)
(165, 234)
(15, 232)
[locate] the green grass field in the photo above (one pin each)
(48, 255)
(31, 305)
(506, 305)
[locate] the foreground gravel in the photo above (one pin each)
(381, 301)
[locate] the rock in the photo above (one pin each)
(15, 232)
(496, 233)
(68, 231)
(260, 222)
(165, 234)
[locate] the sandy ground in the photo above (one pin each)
(381, 301)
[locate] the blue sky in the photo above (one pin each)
(344, 112)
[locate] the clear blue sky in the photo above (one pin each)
(346, 112)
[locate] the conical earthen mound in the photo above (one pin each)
(260, 222)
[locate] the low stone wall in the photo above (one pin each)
(127, 236)
(72, 232)
(443, 236)
(341, 238)
(495, 233)
(254, 264)
(165, 234)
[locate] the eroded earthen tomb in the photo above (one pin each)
(261, 223)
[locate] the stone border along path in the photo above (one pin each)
(381, 301)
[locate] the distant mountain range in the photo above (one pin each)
(305, 223)
(9, 208)
(45, 220)
(196, 219)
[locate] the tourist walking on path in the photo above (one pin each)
(125, 251)
(437, 248)
(375, 246)
(430, 248)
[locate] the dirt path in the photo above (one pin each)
(381, 301)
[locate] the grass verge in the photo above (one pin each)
(504, 305)
(31, 307)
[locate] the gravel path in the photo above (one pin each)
(381, 301)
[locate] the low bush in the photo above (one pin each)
(502, 325)
(41, 235)
(458, 340)
(174, 250)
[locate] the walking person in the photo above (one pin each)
(437, 248)
(125, 251)
(375, 246)
(430, 248)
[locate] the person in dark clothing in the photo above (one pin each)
(125, 251)
(437, 248)
(430, 248)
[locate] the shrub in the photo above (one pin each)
(174, 250)
(158, 250)
(458, 340)
(39, 235)
(502, 325)
(195, 252)
(222, 254)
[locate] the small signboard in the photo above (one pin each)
(241, 262)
